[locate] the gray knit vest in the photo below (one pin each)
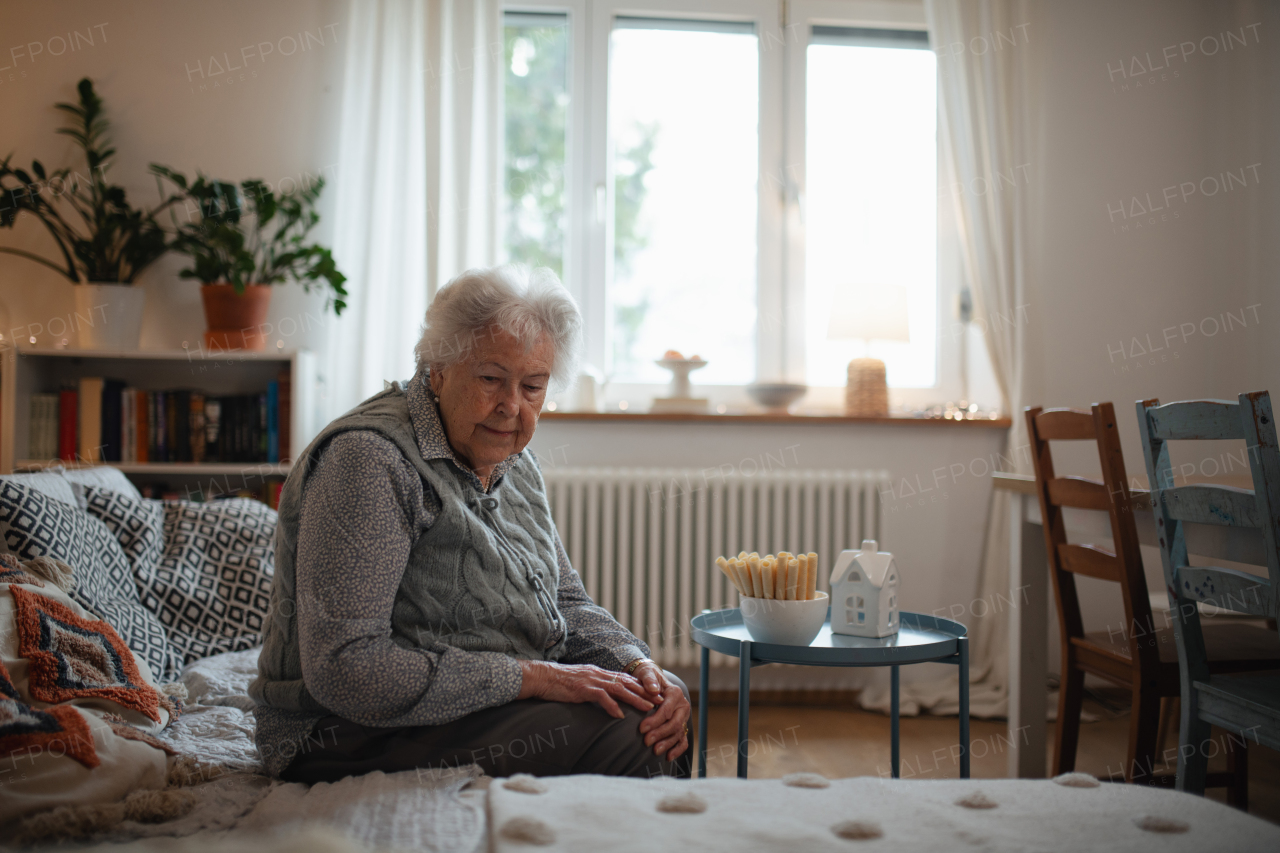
(484, 577)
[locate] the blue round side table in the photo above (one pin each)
(920, 639)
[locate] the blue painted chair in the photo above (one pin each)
(1245, 704)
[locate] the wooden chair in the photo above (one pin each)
(1141, 655)
(1245, 704)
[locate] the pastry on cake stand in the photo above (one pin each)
(681, 399)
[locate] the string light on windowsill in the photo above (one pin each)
(551, 407)
(622, 404)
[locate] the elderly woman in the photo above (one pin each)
(424, 612)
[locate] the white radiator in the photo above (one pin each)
(645, 540)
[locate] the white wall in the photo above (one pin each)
(1097, 285)
(273, 117)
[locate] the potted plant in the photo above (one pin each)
(244, 240)
(108, 247)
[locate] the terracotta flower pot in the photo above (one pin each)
(235, 320)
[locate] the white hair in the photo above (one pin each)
(527, 304)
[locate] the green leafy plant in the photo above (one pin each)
(247, 234)
(112, 242)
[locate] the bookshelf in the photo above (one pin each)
(32, 371)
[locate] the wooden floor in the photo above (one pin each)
(839, 742)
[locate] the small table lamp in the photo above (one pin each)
(868, 312)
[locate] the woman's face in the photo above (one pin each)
(490, 402)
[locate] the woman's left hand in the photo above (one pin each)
(666, 727)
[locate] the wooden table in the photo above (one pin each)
(1029, 575)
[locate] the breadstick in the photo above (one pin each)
(813, 570)
(792, 582)
(802, 573)
(753, 568)
(768, 577)
(723, 565)
(742, 555)
(811, 575)
(779, 580)
(731, 572)
(742, 580)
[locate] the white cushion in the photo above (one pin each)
(50, 483)
(99, 477)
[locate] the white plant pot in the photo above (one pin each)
(109, 316)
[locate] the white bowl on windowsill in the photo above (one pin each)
(784, 623)
(777, 396)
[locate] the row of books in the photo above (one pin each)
(102, 420)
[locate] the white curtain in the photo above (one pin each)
(415, 184)
(986, 111)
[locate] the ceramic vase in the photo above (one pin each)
(109, 316)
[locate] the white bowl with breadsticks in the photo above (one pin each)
(780, 602)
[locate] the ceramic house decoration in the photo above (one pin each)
(864, 593)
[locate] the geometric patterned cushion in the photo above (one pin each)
(31, 731)
(74, 658)
(33, 525)
(212, 587)
(137, 524)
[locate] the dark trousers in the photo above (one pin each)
(526, 736)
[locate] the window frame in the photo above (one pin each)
(780, 234)
(575, 277)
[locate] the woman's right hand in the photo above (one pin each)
(558, 682)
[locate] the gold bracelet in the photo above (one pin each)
(634, 665)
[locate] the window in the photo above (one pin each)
(710, 182)
(871, 205)
(536, 97)
(684, 129)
